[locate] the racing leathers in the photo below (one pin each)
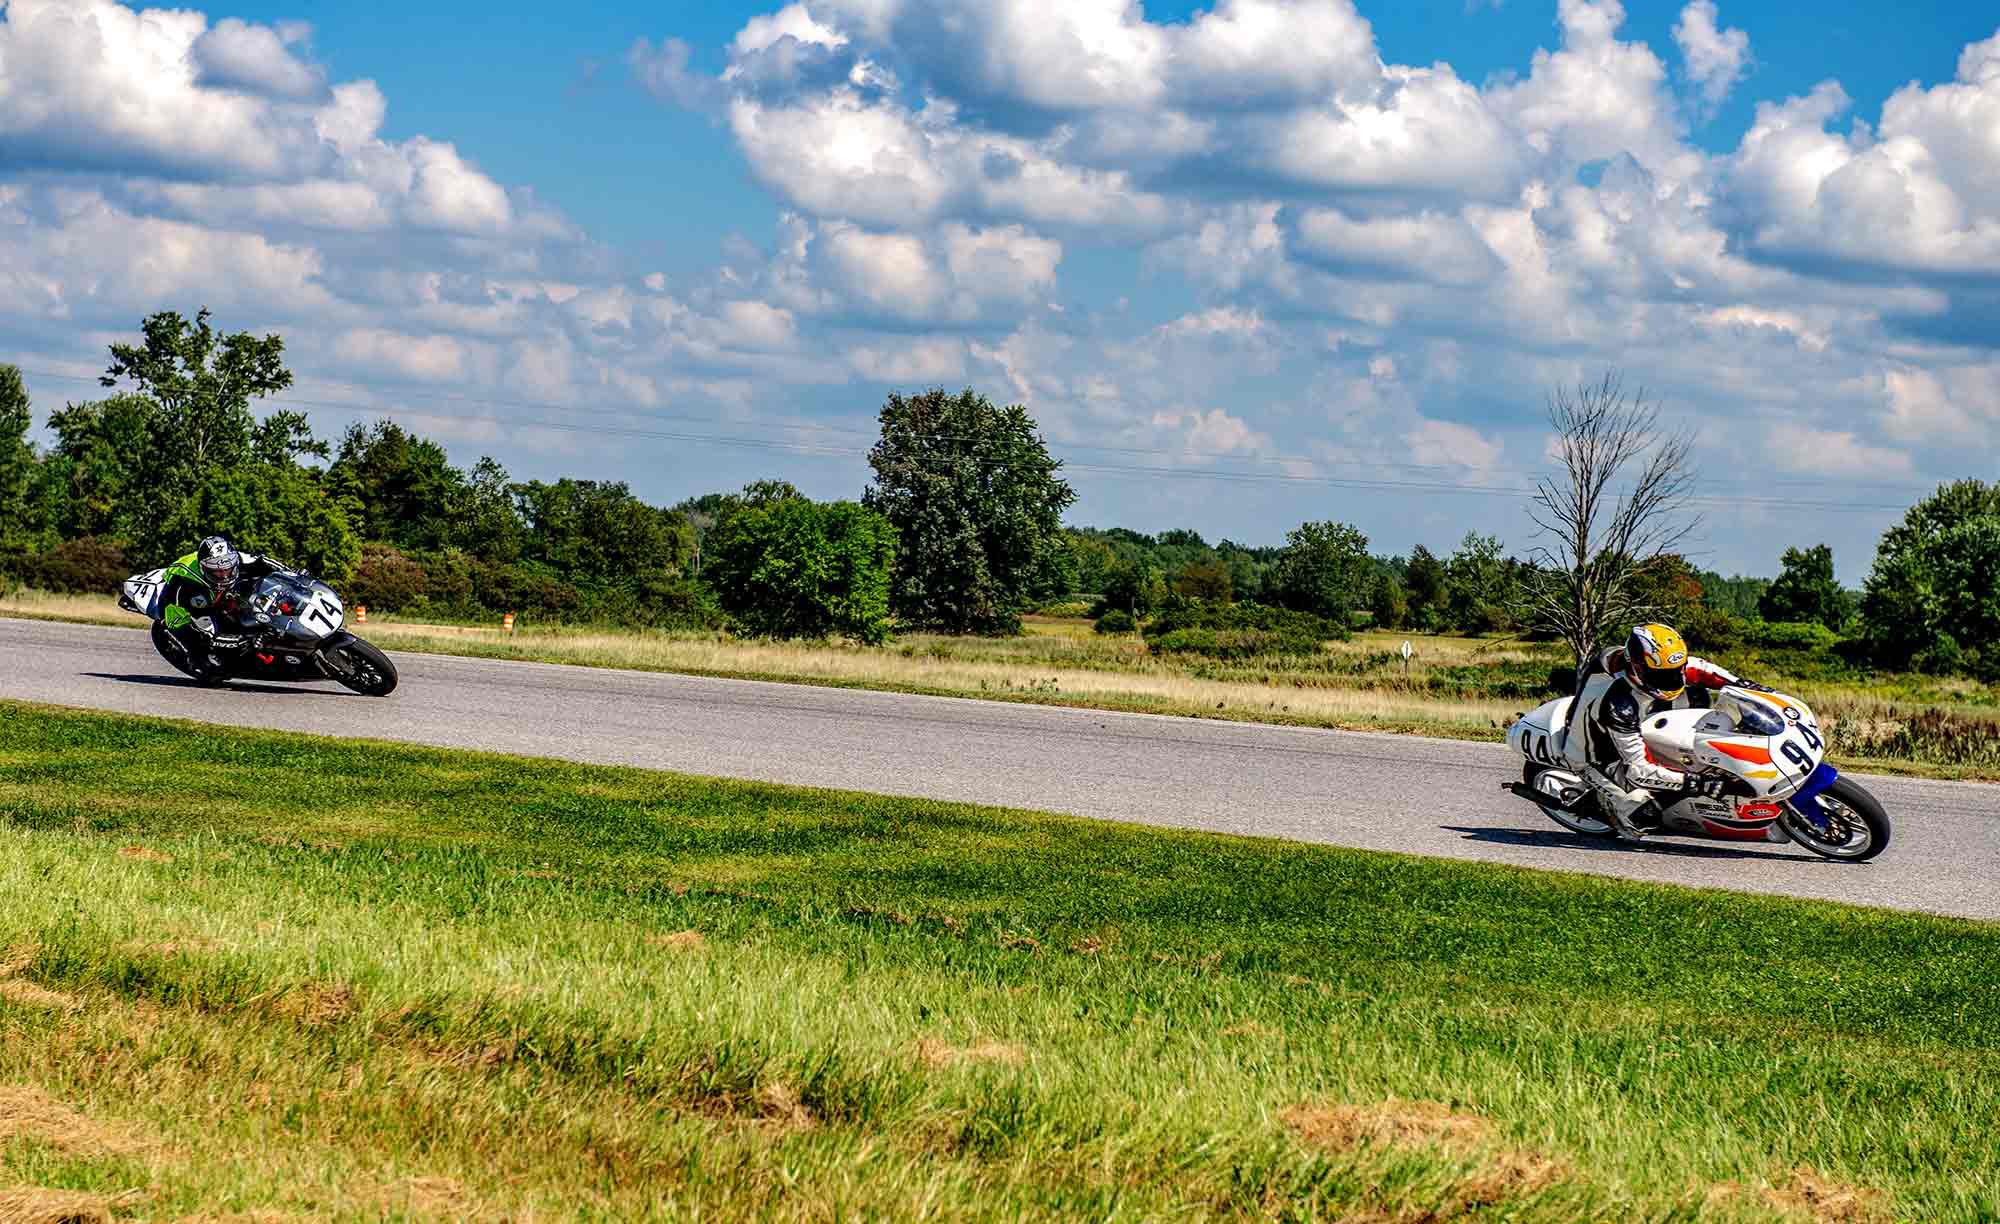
(196, 615)
(1611, 752)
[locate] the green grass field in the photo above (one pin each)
(245, 972)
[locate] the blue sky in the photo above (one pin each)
(1249, 262)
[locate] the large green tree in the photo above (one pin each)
(1937, 577)
(19, 512)
(398, 488)
(1389, 602)
(790, 567)
(1805, 590)
(203, 381)
(485, 518)
(1424, 580)
(1325, 569)
(977, 505)
(1481, 593)
(269, 508)
(597, 532)
(102, 468)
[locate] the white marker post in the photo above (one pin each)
(1406, 653)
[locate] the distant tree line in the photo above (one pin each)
(960, 530)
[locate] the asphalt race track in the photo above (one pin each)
(1375, 792)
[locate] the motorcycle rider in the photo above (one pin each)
(1652, 672)
(204, 599)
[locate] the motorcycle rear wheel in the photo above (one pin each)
(173, 652)
(1575, 822)
(360, 666)
(1857, 825)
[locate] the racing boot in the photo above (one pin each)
(1623, 810)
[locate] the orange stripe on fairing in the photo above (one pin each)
(1743, 752)
(1773, 702)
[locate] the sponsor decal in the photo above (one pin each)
(198, 601)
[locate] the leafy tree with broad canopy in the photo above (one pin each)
(203, 382)
(181, 455)
(1806, 591)
(1325, 569)
(977, 505)
(1937, 577)
(1424, 579)
(785, 566)
(18, 465)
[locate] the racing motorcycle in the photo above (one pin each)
(296, 635)
(1767, 745)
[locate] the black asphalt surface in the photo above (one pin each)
(1375, 792)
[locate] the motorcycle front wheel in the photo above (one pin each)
(1856, 830)
(361, 667)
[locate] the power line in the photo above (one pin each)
(814, 428)
(1109, 469)
(1124, 469)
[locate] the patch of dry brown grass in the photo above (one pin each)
(1391, 1122)
(679, 941)
(40, 1205)
(936, 1054)
(321, 1003)
(1250, 1028)
(1510, 1175)
(780, 1105)
(27, 994)
(1806, 1193)
(1499, 1177)
(143, 854)
(439, 1198)
(28, 1112)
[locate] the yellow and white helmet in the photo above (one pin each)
(1656, 661)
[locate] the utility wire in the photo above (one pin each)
(1154, 472)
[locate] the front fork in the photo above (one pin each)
(1805, 800)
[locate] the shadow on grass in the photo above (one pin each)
(1656, 844)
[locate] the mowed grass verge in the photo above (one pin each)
(244, 971)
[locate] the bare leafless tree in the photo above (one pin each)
(1620, 503)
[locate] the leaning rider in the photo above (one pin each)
(1651, 673)
(204, 598)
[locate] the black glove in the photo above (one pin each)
(1711, 785)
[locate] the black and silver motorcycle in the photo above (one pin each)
(295, 633)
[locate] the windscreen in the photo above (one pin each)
(1757, 720)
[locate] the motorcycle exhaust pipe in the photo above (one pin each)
(1543, 799)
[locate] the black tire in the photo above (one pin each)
(1575, 822)
(361, 667)
(173, 652)
(1859, 827)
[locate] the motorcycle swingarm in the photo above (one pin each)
(1543, 798)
